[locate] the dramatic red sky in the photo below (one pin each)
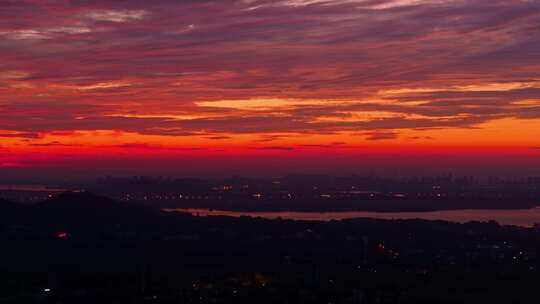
(260, 87)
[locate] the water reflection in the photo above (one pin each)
(522, 217)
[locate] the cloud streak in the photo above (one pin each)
(269, 69)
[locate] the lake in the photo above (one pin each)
(31, 188)
(521, 217)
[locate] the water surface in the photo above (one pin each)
(521, 217)
(31, 188)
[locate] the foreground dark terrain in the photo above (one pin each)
(82, 248)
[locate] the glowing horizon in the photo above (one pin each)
(265, 87)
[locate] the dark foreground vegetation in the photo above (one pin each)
(81, 248)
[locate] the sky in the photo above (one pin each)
(266, 87)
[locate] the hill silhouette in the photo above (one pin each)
(78, 201)
(10, 211)
(88, 208)
(6, 205)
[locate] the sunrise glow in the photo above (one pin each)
(110, 85)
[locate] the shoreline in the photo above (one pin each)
(338, 210)
(518, 217)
